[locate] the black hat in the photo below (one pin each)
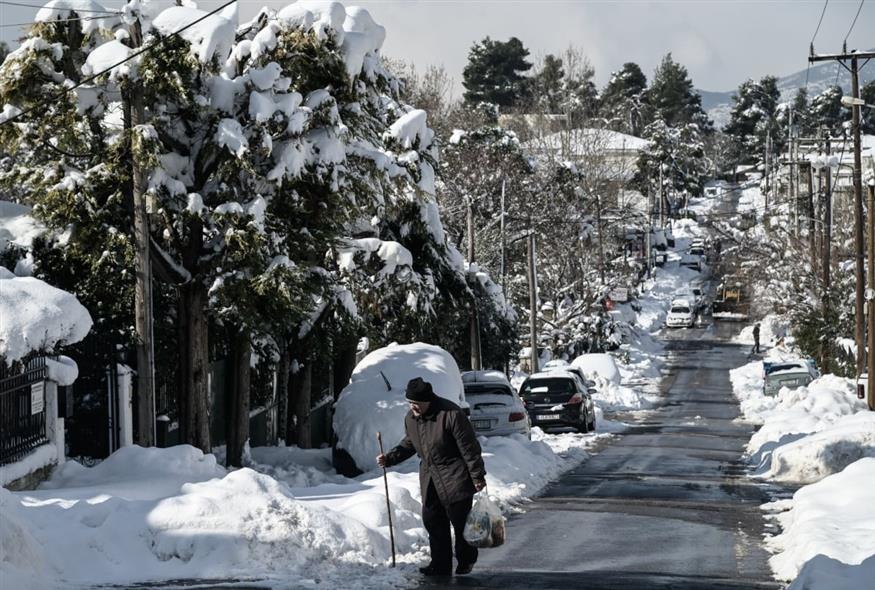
(419, 391)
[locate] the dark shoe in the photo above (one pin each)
(431, 570)
(464, 568)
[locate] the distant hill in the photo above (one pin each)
(820, 76)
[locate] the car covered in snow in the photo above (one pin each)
(496, 408)
(682, 314)
(790, 374)
(374, 401)
(557, 399)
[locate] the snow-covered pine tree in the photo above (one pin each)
(623, 100)
(66, 155)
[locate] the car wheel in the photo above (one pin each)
(584, 427)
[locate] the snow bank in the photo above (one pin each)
(35, 316)
(598, 364)
(175, 514)
(834, 518)
(813, 457)
(374, 399)
(772, 329)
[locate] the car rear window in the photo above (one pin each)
(487, 390)
(557, 385)
(680, 310)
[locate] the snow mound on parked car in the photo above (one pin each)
(374, 399)
(600, 364)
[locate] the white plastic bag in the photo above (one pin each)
(485, 524)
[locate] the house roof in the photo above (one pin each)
(588, 140)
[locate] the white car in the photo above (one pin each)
(496, 408)
(681, 315)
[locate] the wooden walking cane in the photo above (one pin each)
(388, 505)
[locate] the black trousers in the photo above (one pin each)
(438, 519)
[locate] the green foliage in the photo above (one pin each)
(673, 98)
(624, 101)
(494, 72)
(754, 118)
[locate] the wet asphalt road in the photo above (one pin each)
(665, 505)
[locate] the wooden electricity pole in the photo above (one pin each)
(859, 276)
(870, 300)
(143, 269)
(476, 358)
(533, 302)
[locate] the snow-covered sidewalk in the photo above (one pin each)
(820, 435)
(158, 514)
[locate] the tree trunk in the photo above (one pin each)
(237, 416)
(282, 390)
(194, 367)
(344, 364)
(302, 384)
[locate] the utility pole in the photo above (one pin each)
(533, 302)
(476, 358)
(661, 200)
(870, 300)
(794, 196)
(503, 241)
(143, 314)
(859, 277)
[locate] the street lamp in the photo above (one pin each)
(850, 101)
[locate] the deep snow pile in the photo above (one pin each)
(807, 432)
(824, 436)
(174, 514)
(828, 537)
(772, 330)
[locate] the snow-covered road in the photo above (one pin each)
(666, 505)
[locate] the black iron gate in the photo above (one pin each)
(94, 429)
(22, 409)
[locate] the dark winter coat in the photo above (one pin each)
(444, 440)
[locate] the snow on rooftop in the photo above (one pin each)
(34, 316)
(588, 140)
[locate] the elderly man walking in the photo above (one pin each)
(451, 471)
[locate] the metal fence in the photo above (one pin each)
(22, 409)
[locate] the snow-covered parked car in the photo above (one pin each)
(681, 315)
(597, 364)
(496, 408)
(790, 374)
(374, 401)
(557, 399)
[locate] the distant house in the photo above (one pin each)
(613, 153)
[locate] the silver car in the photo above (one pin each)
(496, 408)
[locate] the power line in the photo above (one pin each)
(822, 12)
(77, 10)
(161, 41)
(42, 22)
(811, 44)
(859, 8)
